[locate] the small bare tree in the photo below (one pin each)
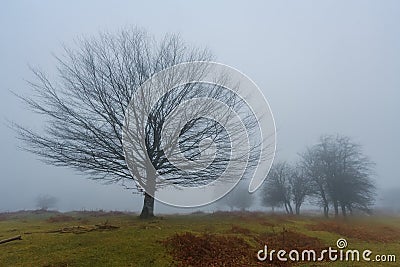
(300, 187)
(277, 189)
(44, 202)
(286, 186)
(239, 198)
(313, 168)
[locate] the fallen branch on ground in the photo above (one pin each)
(11, 239)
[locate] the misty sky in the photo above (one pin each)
(326, 67)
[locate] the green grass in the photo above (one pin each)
(138, 243)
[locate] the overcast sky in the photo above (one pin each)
(326, 67)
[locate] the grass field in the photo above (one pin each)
(218, 239)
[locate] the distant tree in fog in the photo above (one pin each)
(238, 198)
(300, 187)
(44, 202)
(277, 188)
(340, 174)
(286, 186)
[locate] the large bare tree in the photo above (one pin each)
(86, 104)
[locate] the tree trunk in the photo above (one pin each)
(148, 207)
(326, 210)
(286, 208)
(336, 206)
(344, 210)
(290, 208)
(298, 209)
(149, 192)
(325, 202)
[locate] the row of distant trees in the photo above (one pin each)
(333, 174)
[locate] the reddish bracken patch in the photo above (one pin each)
(289, 240)
(188, 249)
(361, 231)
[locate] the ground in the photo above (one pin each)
(96, 238)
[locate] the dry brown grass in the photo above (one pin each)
(362, 231)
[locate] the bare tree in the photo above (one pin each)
(277, 190)
(44, 202)
(182, 144)
(313, 169)
(85, 110)
(300, 187)
(341, 174)
(239, 198)
(286, 186)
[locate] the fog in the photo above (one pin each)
(326, 67)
